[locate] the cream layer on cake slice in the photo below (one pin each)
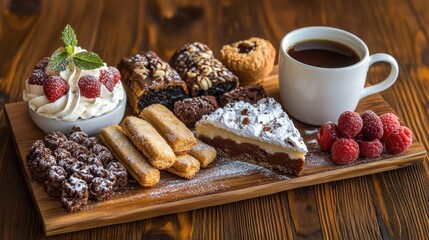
(260, 133)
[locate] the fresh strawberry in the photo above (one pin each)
(116, 74)
(89, 86)
(55, 87)
(106, 78)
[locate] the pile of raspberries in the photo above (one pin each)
(366, 135)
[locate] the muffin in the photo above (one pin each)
(250, 60)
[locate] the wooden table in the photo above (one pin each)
(392, 204)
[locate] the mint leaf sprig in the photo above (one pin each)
(83, 60)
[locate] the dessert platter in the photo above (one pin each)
(198, 132)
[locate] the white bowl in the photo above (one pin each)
(91, 126)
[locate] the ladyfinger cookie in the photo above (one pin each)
(149, 142)
(185, 166)
(178, 136)
(204, 153)
(114, 138)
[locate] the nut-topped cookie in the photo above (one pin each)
(204, 74)
(150, 80)
(250, 59)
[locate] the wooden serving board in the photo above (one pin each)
(223, 182)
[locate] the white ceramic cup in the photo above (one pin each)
(315, 95)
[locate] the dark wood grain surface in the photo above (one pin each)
(393, 204)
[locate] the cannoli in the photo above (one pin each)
(149, 142)
(185, 166)
(204, 153)
(148, 80)
(125, 151)
(178, 136)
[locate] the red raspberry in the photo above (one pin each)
(89, 86)
(55, 87)
(399, 140)
(370, 149)
(372, 126)
(344, 151)
(390, 123)
(116, 74)
(106, 78)
(349, 124)
(38, 77)
(328, 134)
(42, 63)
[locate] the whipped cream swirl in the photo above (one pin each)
(264, 120)
(73, 105)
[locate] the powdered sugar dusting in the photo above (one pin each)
(311, 131)
(216, 178)
(311, 142)
(317, 158)
(264, 120)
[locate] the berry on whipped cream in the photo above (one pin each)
(73, 83)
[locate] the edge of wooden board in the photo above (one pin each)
(134, 211)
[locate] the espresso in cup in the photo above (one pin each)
(323, 53)
(322, 73)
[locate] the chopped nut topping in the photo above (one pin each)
(245, 111)
(246, 121)
(191, 74)
(159, 73)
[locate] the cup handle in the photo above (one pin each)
(386, 83)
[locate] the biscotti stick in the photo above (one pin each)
(149, 142)
(185, 166)
(204, 153)
(178, 136)
(114, 138)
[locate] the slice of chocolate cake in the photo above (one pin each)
(204, 74)
(260, 133)
(148, 80)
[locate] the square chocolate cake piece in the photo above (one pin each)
(148, 80)
(202, 72)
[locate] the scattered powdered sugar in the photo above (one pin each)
(317, 158)
(214, 179)
(311, 142)
(311, 131)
